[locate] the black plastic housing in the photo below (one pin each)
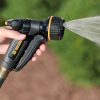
(20, 52)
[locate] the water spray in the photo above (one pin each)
(88, 28)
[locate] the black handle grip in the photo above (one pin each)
(14, 53)
(33, 46)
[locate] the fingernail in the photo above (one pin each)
(22, 36)
(34, 59)
(43, 49)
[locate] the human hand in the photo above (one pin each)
(7, 33)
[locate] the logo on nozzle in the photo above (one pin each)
(16, 49)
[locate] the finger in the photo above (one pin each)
(4, 32)
(4, 48)
(38, 52)
(42, 47)
(2, 39)
(34, 58)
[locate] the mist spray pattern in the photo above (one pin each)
(88, 28)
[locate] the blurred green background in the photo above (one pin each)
(79, 58)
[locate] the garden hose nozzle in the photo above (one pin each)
(37, 32)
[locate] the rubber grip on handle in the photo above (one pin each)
(33, 46)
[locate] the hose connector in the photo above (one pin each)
(3, 75)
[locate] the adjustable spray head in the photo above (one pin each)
(38, 32)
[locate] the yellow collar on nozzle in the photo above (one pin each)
(50, 20)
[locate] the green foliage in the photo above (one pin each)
(79, 58)
(2, 4)
(30, 8)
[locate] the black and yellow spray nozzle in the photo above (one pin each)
(38, 32)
